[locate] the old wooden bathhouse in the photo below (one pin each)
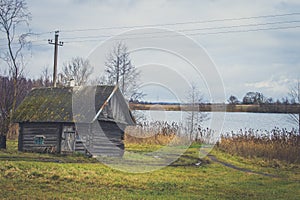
(87, 119)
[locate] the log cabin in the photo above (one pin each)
(86, 119)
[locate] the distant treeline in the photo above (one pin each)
(259, 98)
(285, 102)
(7, 90)
(154, 103)
(252, 102)
(249, 99)
(219, 107)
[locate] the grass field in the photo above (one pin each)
(42, 176)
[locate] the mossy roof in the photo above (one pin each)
(55, 104)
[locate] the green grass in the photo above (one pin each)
(27, 176)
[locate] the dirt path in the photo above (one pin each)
(214, 159)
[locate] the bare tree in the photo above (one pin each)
(45, 78)
(78, 69)
(295, 99)
(6, 101)
(14, 19)
(120, 70)
(195, 117)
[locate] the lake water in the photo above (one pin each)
(227, 122)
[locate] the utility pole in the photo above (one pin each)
(56, 43)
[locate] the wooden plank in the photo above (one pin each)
(105, 151)
(20, 139)
(30, 130)
(32, 136)
(106, 145)
(108, 140)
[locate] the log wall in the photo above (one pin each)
(51, 132)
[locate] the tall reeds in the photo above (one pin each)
(157, 132)
(160, 132)
(279, 144)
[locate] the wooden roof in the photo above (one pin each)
(59, 104)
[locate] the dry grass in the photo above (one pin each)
(13, 132)
(161, 133)
(277, 144)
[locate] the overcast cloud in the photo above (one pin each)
(266, 61)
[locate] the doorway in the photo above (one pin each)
(68, 139)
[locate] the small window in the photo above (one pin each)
(39, 139)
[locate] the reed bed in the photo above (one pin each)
(157, 132)
(163, 133)
(279, 144)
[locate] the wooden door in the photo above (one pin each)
(68, 139)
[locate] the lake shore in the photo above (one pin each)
(219, 107)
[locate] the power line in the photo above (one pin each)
(30, 41)
(187, 30)
(177, 35)
(249, 30)
(180, 30)
(193, 34)
(182, 23)
(167, 24)
(244, 25)
(32, 34)
(183, 30)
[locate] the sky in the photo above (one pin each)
(224, 47)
